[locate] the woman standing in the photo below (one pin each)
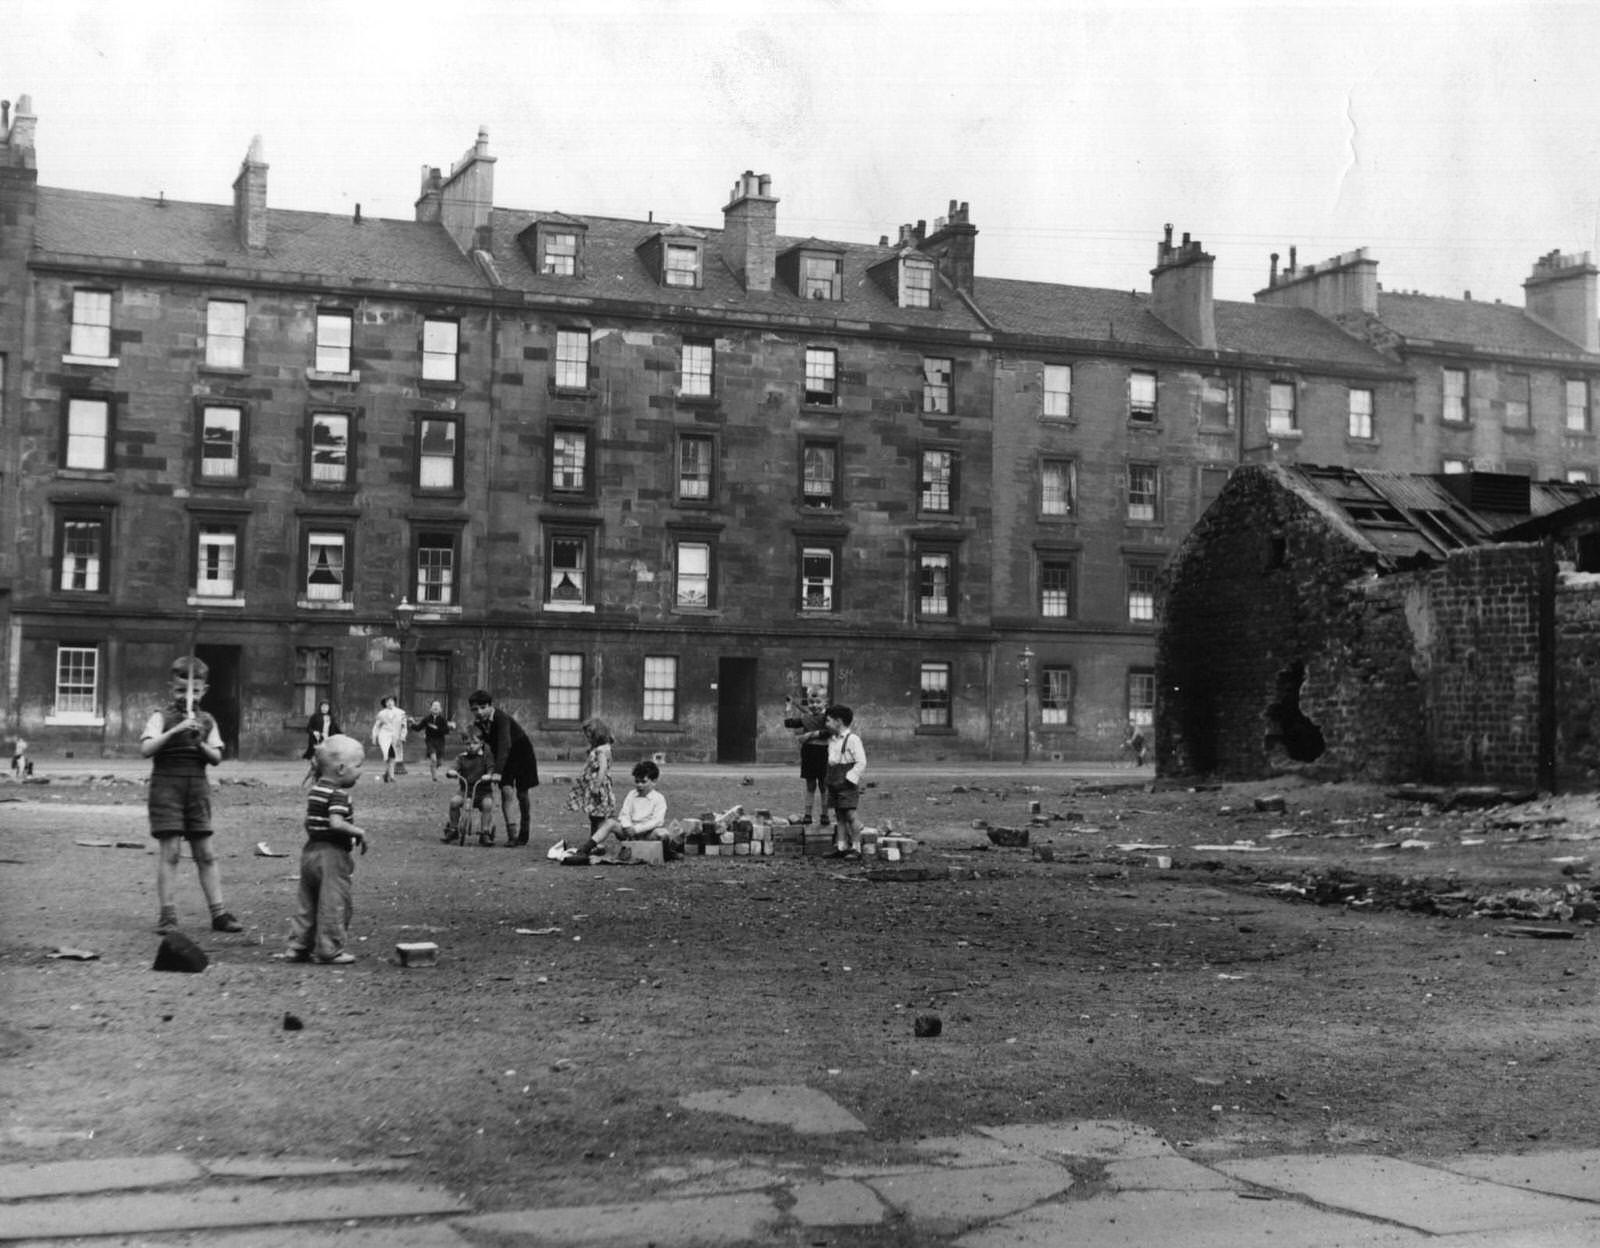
(591, 791)
(389, 735)
(319, 728)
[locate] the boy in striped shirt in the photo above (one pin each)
(326, 867)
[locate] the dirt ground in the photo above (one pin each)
(1214, 1000)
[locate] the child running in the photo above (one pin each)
(326, 867)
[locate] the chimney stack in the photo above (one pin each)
(750, 231)
(250, 200)
(1561, 292)
(1343, 286)
(1180, 290)
(953, 246)
(466, 197)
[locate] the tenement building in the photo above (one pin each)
(664, 472)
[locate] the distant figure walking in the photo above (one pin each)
(389, 735)
(1135, 745)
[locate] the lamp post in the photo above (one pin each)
(1025, 662)
(404, 613)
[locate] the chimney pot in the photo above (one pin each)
(1167, 229)
(5, 114)
(765, 184)
(358, 214)
(1292, 252)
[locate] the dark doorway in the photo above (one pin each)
(222, 698)
(736, 710)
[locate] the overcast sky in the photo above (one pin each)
(1458, 141)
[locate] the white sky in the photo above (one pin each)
(1458, 141)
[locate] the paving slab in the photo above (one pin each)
(413, 1235)
(950, 1200)
(1574, 1173)
(967, 1150)
(734, 1179)
(836, 1202)
(1189, 1219)
(296, 1167)
(1100, 1138)
(803, 1110)
(691, 1223)
(222, 1206)
(1562, 1235)
(1165, 1174)
(1405, 1192)
(27, 1179)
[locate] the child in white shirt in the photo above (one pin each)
(642, 816)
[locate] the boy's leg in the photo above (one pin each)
(205, 861)
(303, 927)
(452, 827)
(508, 810)
(335, 902)
(811, 797)
(168, 854)
(524, 812)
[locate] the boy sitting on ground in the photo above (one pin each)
(642, 816)
(472, 765)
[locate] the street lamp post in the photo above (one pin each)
(1025, 662)
(404, 613)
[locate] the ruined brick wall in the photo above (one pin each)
(1438, 678)
(1284, 652)
(1578, 681)
(1255, 600)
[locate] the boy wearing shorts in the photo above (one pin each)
(181, 741)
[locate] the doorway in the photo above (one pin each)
(736, 710)
(222, 697)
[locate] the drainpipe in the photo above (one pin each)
(1547, 664)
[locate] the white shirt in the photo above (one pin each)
(643, 813)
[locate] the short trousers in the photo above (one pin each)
(180, 806)
(814, 761)
(845, 796)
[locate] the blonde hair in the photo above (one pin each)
(336, 750)
(597, 730)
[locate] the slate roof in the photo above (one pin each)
(1097, 315)
(1410, 517)
(333, 248)
(614, 269)
(1500, 327)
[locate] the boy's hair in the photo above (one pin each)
(644, 769)
(187, 667)
(842, 713)
(480, 697)
(335, 750)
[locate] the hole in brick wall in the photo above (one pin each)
(1291, 731)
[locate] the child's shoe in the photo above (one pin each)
(167, 923)
(338, 959)
(225, 922)
(295, 954)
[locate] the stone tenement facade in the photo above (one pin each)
(664, 473)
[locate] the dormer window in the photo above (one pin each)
(674, 256)
(821, 277)
(558, 253)
(553, 246)
(916, 284)
(682, 265)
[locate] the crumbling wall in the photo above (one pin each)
(1481, 688)
(1284, 650)
(1250, 606)
(1578, 681)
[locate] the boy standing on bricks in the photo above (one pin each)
(181, 741)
